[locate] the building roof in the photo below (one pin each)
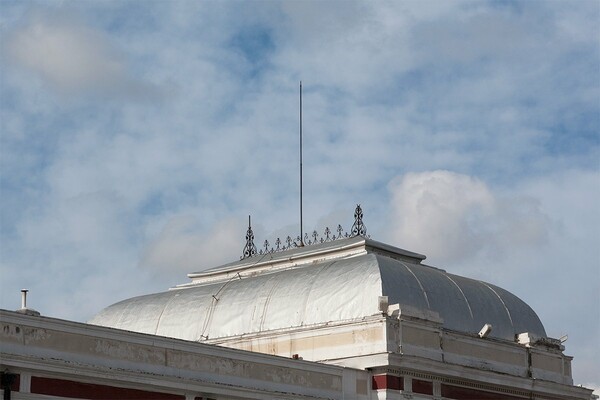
(314, 285)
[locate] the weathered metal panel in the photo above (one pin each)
(400, 285)
(444, 296)
(486, 307)
(345, 289)
(184, 314)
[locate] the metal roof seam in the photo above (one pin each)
(163, 311)
(208, 317)
(463, 294)
(419, 282)
(312, 284)
(120, 319)
(263, 317)
(501, 301)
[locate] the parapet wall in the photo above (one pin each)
(47, 356)
(413, 334)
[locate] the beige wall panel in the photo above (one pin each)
(546, 362)
(420, 337)
(486, 351)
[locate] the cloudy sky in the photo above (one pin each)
(137, 137)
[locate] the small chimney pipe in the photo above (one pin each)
(24, 298)
(24, 309)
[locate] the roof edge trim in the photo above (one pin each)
(301, 256)
(283, 260)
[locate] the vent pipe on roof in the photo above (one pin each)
(24, 309)
(24, 298)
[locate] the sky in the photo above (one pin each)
(137, 136)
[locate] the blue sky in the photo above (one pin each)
(136, 137)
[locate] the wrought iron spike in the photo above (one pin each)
(249, 248)
(358, 228)
(340, 231)
(315, 236)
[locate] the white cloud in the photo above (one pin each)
(72, 57)
(454, 217)
(182, 247)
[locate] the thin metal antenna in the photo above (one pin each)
(301, 226)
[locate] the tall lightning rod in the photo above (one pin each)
(301, 226)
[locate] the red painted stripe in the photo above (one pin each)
(92, 391)
(422, 387)
(381, 382)
(461, 393)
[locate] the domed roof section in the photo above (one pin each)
(336, 281)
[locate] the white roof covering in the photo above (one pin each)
(335, 281)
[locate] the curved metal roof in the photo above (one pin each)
(252, 296)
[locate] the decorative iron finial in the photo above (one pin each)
(250, 248)
(358, 228)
